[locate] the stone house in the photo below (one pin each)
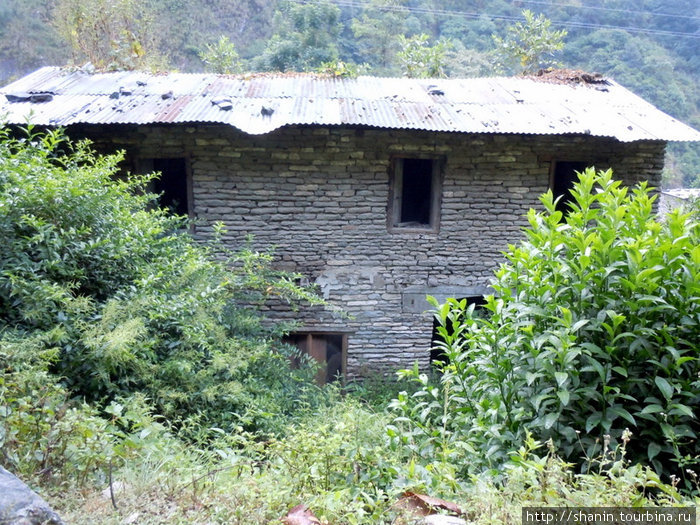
(671, 199)
(378, 190)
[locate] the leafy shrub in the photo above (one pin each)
(420, 60)
(593, 328)
(376, 389)
(537, 476)
(221, 57)
(337, 460)
(47, 436)
(129, 301)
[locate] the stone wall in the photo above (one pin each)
(319, 196)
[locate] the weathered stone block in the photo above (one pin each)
(19, 505)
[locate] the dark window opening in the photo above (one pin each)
(327, 349)
(172, 183)
(563, 179)
(437, 356)
(416, 191)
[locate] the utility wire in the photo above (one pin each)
(611, 9)
(473, 15)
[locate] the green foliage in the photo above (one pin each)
(376, 390)
(340, 69)
(305, 39)
(472, 34)
(531, 45)
(376, 33)
(635, 62)
(681, 166)
(222, 57)
(40, 432)
(543, 478)
(337, 462)
(49, 437)
(465, 63)
(65, 224)
(419, 60)
(186, 27)
(335, 459)
(27, 37)
(111, 35)
(593, 328)
(129, 301)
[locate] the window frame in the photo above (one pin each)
(394, 223)
(144, 164)
(313, 350)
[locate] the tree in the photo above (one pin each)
(27, 39)
(186, 27)
(464, 63)
(111, 35)
(530, 45)
(306, 37)
(593, 328)
(222, 57)
(419, 60)
(377, 32)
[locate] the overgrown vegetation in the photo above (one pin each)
(592, 329)
(338, 463)
(138, 384)
(111, 35)
(111, 295)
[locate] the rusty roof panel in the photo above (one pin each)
(259, 104)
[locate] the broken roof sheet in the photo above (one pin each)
(259, 104)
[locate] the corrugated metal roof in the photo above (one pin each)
(683, 193)
(262, 103)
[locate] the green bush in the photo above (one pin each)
(593, 328)
(130, 303)
(51, 438)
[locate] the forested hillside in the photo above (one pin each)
(649, 46)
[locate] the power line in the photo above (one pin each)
(611, 9)
(473, 15)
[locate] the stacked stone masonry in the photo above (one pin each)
(320, 195)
